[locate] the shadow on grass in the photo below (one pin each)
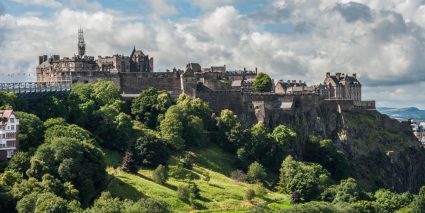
(123, 190)
(172, 187)
(204, 199)
(216, 186)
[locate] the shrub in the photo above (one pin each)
(188, 192)
(187, 161)
(207, 177)
(250, 194)
(260, 189)
(238, 175)
(128, 163)
(160, 175)
(256, 172)
(149, 151)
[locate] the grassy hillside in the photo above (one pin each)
(219, 194)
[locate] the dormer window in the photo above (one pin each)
(12, 120)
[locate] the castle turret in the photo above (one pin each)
(81, 43)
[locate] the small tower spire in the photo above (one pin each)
(81, 43)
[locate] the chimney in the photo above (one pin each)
(40, 59)
(256, 70)
(338, 75)
(328, 75)
(355, 75)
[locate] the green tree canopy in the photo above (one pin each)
(150, 104)
(307, 179)
(30, 131)
(71, 160)
(262, 83)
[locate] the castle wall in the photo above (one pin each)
(134, 83)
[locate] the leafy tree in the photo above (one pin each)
(188, 192)
(231, 133)
(51, 107)
(326, 154)
(262, 83)
(128, 163)
(105, 93)
(107, 204)
(9, 99)
(418, 204)
(30, 131)
(256, 173)
(68, 131)
(20, 162)
(149, 151)
(51, 122)
(71, 160)
(160, 175)
(146, 206)
(308, 179)
(149, 105)
(172, 128)
(46, 202)
(348, 191)
(390, 202)
(7, 181)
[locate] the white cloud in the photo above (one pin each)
(382, 42)
(208, 4)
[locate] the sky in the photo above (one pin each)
(382, 41)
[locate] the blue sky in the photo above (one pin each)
(289, 39)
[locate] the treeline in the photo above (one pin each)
(61, 166)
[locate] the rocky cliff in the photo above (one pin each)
(381, 151)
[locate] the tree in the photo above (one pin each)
(256, 173)
(308, 179)
(326, 154)
(128, 163)
(51, 122)
(418, 204)
(262, 83)
(150, 151)
(230, 130)
(107, 204)
(30, 131)
(160, 175)
(347, 191)
(51, 107)
(388, 201)
(20, 162)
(78, 162)
(172, 128)
(68, 131)
(149, 105)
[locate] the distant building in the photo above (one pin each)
(9, 127)
(418, 129)
(343, 86)
(55, 68)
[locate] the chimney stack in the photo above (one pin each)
(328, 75)
(338, 75)
(355, 75)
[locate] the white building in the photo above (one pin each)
(9, 126)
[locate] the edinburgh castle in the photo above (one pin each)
(221, 88)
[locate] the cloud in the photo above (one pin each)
(45, 3)
(290, 39)
(353, 11)
(208, 4)
(162, 8)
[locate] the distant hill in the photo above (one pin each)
(403, 114)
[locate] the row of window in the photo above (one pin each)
(8, 135)
(11, 127)
(8, 144)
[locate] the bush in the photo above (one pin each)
(256, 173)
(149, 151)
(250, 194)
(188, 192)
(160, 175)
(187, 161)
(207, 177)
(128, 163)
(238, 175)
(260, 189)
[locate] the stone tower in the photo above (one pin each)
(81, 43)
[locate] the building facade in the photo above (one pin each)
(55, 68)
(9, 128)
(343, 86)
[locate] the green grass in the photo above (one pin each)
(220, 194)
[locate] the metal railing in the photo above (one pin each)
(36, 87)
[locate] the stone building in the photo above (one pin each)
(55, 68)
(9, 127)
(343, 86)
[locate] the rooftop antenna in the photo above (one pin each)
(81, 43)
